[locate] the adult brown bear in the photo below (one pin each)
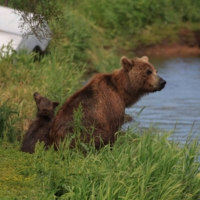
(103, 101)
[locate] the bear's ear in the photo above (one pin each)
(145, 59)
(126, 63)
(55, 104)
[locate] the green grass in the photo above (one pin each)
(92, 36)
(145, 166)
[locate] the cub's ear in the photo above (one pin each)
(126, 63)
(55, 104)
(145, 59)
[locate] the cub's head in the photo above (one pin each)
(142, 75)
(45, 107)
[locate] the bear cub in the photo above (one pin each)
(39, 129)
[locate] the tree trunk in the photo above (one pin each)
(6, 3)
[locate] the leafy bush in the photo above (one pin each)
(7, 122)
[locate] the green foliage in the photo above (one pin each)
(92, 32)
(78, 33)
(129, 17)
(55, 75)
(8, 118)
(138, 167)
(78, 126)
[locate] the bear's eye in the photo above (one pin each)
(149, 72)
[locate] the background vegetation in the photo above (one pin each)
(91, 36)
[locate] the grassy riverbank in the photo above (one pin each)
(92, 36)
(145, 166)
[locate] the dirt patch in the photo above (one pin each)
(188, 44)
(174, 50)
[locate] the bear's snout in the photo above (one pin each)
(162, 83)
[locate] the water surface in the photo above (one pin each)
(177, 106)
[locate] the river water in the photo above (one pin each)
(177, 107)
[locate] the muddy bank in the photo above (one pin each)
(187, 44)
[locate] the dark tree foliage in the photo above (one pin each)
(35, 14)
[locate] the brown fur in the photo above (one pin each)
(104, 100)
(40, 127)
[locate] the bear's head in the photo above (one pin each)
(142, 75)
(45, 107)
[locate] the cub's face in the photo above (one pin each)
(45, 107)
(142, 75)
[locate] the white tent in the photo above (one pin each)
(10, 30)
